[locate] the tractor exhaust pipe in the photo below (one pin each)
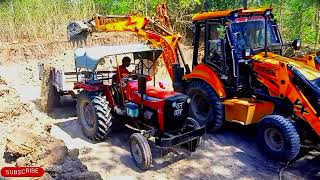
(245, 4)
(266, 36)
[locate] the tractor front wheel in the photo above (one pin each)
(94, 115)
(140, 151)
(206, 106)
(278, 137)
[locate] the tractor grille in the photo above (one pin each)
(176, 111)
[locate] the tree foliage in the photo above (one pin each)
(296, 18)
(36, 18)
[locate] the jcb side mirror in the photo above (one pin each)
(296, 44)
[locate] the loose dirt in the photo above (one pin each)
(25, 138)
(54, 140)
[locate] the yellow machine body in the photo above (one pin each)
(246, 110)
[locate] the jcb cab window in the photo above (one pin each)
(251, 34)
(216, 32)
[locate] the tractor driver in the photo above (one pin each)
(122, 70)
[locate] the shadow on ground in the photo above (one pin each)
(120, 138)
(66, 109)
(231, 152)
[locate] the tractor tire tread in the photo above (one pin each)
(146, 150)
(102, 113)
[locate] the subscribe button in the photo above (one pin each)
(22, 172)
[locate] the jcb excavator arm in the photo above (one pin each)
(159, 35)
(312, 60)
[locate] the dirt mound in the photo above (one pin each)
(10, 105)
(27, 148)
(25, 140)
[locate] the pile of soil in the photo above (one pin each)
(31, 148)
(10, 106)
(25, 140)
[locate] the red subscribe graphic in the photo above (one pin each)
(22, 172)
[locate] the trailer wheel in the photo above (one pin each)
(278, 137)
(94, 115)
(206, 106)
(194, 144)
(140, 151)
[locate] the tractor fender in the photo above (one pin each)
(109, 97)
(207, 74)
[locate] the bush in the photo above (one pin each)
(32, 19)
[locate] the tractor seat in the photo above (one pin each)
(153, 92)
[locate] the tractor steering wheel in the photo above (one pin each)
(129, 78)
(133, 76)
(148, 78)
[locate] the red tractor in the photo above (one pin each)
(144, 108)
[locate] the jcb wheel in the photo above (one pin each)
(206, 106)
(94, 115)
(140, 151)
(194, 144)
(278, 137)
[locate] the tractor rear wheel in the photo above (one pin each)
(94, 115)
(206, 106)
(278, 137)
(194, 144)
(140, 151)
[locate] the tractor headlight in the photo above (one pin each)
(268, 13)
(236, 15)
(188, 100)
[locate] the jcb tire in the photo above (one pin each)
(194, 144)
(206, 106)
(94, 115)
(140, 151)
(278, 137)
